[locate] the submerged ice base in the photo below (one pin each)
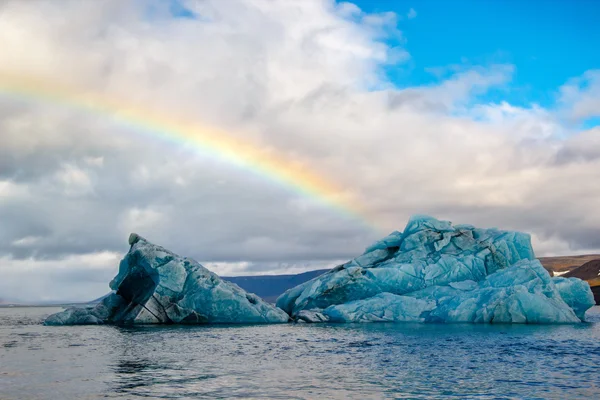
(436, 272)
(156, 286)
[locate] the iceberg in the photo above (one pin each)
(156, 286)
(437, 272)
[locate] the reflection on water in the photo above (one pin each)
(359, 361)
(132, 374)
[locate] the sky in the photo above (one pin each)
(330, 125)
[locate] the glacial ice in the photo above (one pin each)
(156, 286)
(436, 272)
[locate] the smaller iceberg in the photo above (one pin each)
(156, 286)
(436, 272)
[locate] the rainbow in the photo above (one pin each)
(207, 140)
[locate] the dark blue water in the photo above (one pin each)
(360, 361)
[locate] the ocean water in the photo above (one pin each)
(354, 361)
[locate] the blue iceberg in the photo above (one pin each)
(156, 286)
(436, 272)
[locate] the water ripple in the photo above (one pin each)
(360, 361)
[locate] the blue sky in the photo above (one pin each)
(548, 42)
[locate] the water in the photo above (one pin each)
(360, 361)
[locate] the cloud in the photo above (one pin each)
(454, 93)
(304, 80)
(73, 278)
(581, 96)
(411, 14)
(26, 241)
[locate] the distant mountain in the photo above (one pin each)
(269, 287)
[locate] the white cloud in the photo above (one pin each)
(303, 80)
(94, 161)
(411, 14)
(581, 95)
(246, 268)
(73, 180)
(10, 190)
(26, 241)
(140, 220)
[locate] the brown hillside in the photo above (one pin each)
(565, 263)
(590, 271)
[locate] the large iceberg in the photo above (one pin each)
(436, 272)
(156, 286)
